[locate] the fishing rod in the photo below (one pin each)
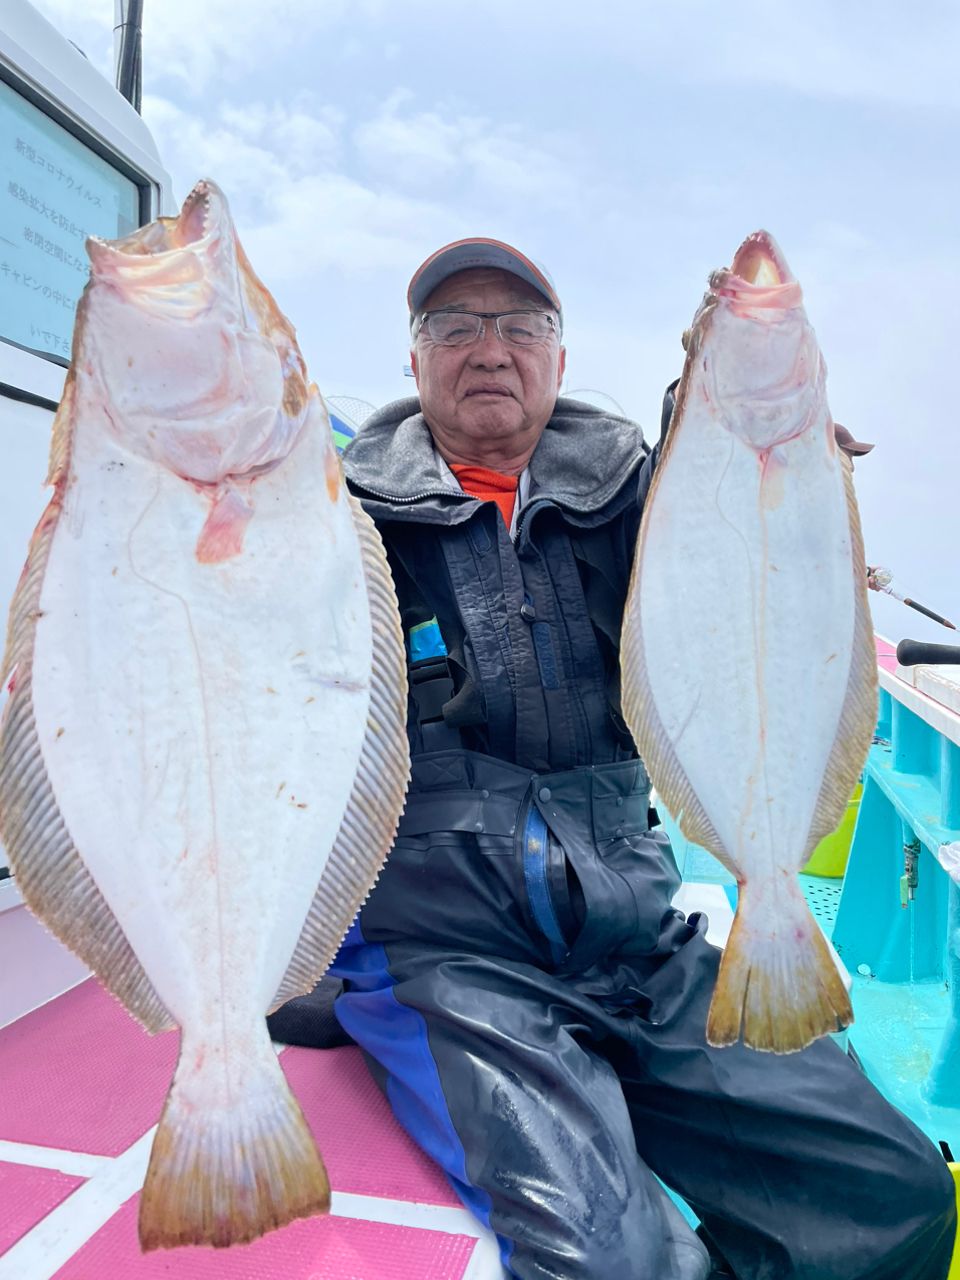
(912, 652)
(879, 579)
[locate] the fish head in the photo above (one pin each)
(194, 364)
(756, 351)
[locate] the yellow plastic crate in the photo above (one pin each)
(829, 858)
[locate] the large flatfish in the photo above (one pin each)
(747, 661)
(203, 755)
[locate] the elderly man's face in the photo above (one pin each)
(488, 402)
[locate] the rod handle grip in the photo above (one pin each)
(910, 652)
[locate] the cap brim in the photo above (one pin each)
(847, 443)
(468, 255)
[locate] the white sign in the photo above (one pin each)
(54, 192)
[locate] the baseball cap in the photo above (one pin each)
(464, 255)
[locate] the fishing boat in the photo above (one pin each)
(81, 1085)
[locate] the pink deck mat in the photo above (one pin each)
(27, 1195)
(364, 1148)
(311, 1249)
(80, 1074)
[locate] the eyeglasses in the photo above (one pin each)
(461, 328)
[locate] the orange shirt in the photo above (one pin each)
(488, 486)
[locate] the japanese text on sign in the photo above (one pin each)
(56, 192)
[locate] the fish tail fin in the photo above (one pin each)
(224, 1170)
(779, 983)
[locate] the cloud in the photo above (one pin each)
(311, 195)
(509, 162)
(872, 51)
(290, 198)
(251, 151)
(200, 44)
(411, 149)
(879, 51)
(301, 135)
(332, 221)
(628, 146)
(218, 43)
(486, 160)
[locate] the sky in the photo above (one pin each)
(629, 146)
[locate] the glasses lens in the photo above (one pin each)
(459, 328)
(452, 328)
(525, 328)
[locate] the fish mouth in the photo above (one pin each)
(173, 263)
(202, 217)
(760, 262)
(197, 214)
(758, 278)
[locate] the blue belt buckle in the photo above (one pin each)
(426, 641)
(535, 843)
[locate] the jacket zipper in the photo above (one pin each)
(430, 493)
(450, 493)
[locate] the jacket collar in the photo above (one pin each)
(584, 458)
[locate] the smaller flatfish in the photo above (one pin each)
(747, 659)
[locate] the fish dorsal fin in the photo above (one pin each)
(373, 811)
(48, 870)
(61, 439)
(643, 719)
(859, 714)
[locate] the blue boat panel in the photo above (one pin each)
(894, 917)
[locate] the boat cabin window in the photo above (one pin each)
(54, 192)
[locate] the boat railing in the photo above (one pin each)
(898, 918)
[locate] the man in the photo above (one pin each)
(529, 1000)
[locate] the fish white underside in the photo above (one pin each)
(749, 670)
(201, 724)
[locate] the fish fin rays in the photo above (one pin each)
(370, 821)
(859, 714)
(48, 870)
(653, 744)
(226, 1174)
(26, 597)
(61, 439)
(779, 987)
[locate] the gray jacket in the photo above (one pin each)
(528, 628)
